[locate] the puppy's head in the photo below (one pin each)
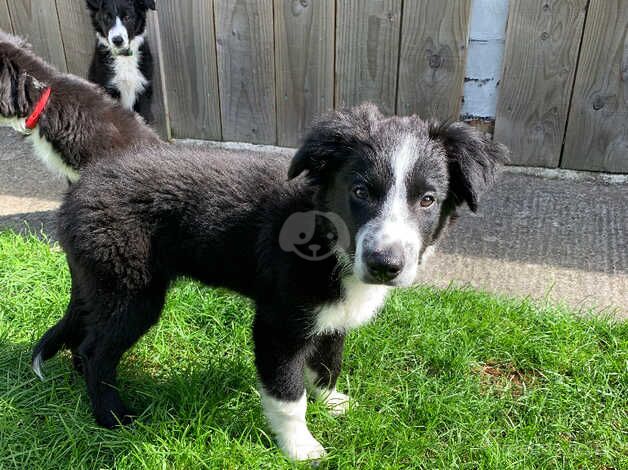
(395, 182)
(23, 77)
(117, 22)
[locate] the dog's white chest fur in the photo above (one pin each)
(43, 149)
(127, 78)
(360, 304)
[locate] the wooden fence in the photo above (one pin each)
(260, 70)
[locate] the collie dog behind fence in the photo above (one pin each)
(122, 62)
(317, 241)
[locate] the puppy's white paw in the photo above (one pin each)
(302, 447)
(287, 421)
(337, 403)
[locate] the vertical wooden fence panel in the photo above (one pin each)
(540, 60)
(37, 20)
(5, 19)
(304, 59)
(78, 35)
(246, 70)
(434, 38)
(189, 46)
(367, 52)
(160, 100)
(597, 135)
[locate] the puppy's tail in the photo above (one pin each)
(48, 346)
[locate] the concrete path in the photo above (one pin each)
(558, 240)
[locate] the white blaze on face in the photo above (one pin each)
(118, 30)
(395, 224)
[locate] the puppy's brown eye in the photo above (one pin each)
(360, 192)
(126, 18)
(426, 201)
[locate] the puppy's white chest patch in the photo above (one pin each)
(360, 304)
(127, 78)
(43, 149)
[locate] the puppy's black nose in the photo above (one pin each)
(117, 41)
(384, 265)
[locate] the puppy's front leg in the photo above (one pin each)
(280, 365)
(322, 370)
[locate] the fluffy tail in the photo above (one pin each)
(48, 346)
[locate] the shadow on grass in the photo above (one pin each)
(217, 394)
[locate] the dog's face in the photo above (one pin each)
(117, 22)
(395, 182)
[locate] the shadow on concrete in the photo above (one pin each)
(528, 219)
(42, 224)
(179, 395)
(22, 175)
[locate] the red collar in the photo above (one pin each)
(33, 119)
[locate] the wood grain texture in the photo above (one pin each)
(189, 47)
(246, 70)
(37, 21)
(304, 61)
(160, 100)
(434, 37)
(367, 52)
(78, 35)
(597, 135)
(540, 60)
(5, 19)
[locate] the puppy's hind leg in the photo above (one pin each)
(105, 343)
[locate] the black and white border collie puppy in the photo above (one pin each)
(317, 242)
(123, 63)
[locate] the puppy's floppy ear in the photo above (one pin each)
(147, 4)
(472, 158)
(333, 139)
(94, 4)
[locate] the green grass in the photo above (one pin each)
(443, 379)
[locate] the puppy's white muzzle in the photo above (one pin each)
(118, 36)
(379, 240)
